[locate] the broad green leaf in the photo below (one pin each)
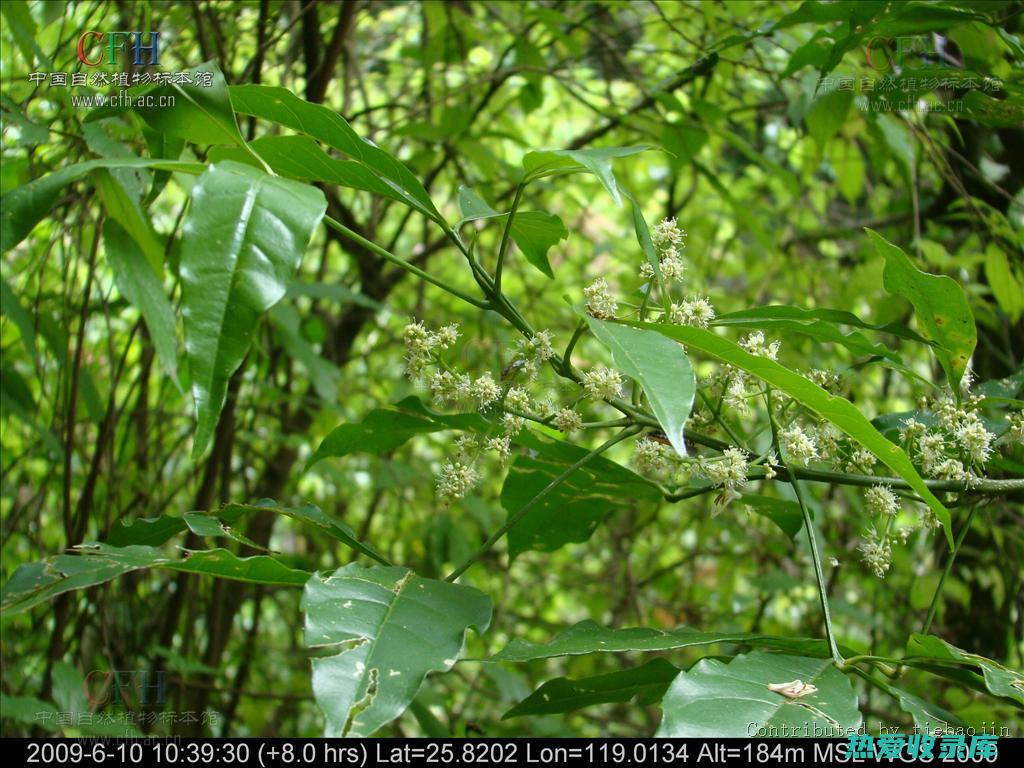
(35, 583)
(999, 680)
(590, 637)
(785, 514)
(300, 157)
(827, 115)
(660, 367)
(574, 509)
(928, 717)
(25, 206)
(754, 316)
(201, 113)
(734, 700)
(23, 28)
(939, 303)
(641, 685)
(323, 124)
(643, 236)
(12, 308)
(387, 628)
(159, 530)
(243, 240)
(534, 232)
(1005, 284)
(380, 431)
(141, 286)
(128, 213)
(560, 162)
(837, 410)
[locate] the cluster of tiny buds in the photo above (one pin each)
(729, 473)
(600, 302)
(955, 446)
(602, 382)
(876, 552)
(797, 446)
(755, 344)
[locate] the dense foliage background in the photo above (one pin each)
(776, 134)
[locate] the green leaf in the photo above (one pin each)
(35, 583)
(837, 410)
(999, 680)
(201, 114)
(11, 306)
(379, 432)
(785, 514)
(128, 213)
(141, 286)
(940, 304)
(574, 509)
(827, 115)
(757, 317)
(323, 124)
(590, 637)
(322, 373)
(1007, 288)
(243, 240)
(159, 530)
(643, 685)
(387, 628)
(660, 367)
(560, 162)
(25, 206)
(928, 717)
(534, 232)
(734, 701)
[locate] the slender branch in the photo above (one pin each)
(355, 237)
(812, 540)
(946, 571)
(506, 238)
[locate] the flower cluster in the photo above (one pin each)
(876, 552)
(729, 473)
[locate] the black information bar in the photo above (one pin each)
(362, 753)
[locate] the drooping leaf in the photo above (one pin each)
(939, 303)
(837, 410)
(660, 367)
(25, 206)
(642, 685)
(827, 115)
(35, 583)
(784, 513)
(928, 718)
(158, 530)
(734, 700)
(201, 113)
(573, 510)
(141, 286)
(243, 240)
(387, 628)
(534, 232)
(999, 680)
(323, 124)
(129, 215)
(590, 637)
(560, 162)
(380, 431)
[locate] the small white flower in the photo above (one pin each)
(600, 303)
(647, 271)
(876, 553)
(755, 344)
(567, 420)
(667, 234)
(601, 382)
(513, 424)
(697, 312)
(880, 500)
(485, 390)
(448, 387)
(650, 457)
(975, 440)
(455, 479)
(672, 268)
(503, 446)
(797, 445)
(730, 472)
(517, 399)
